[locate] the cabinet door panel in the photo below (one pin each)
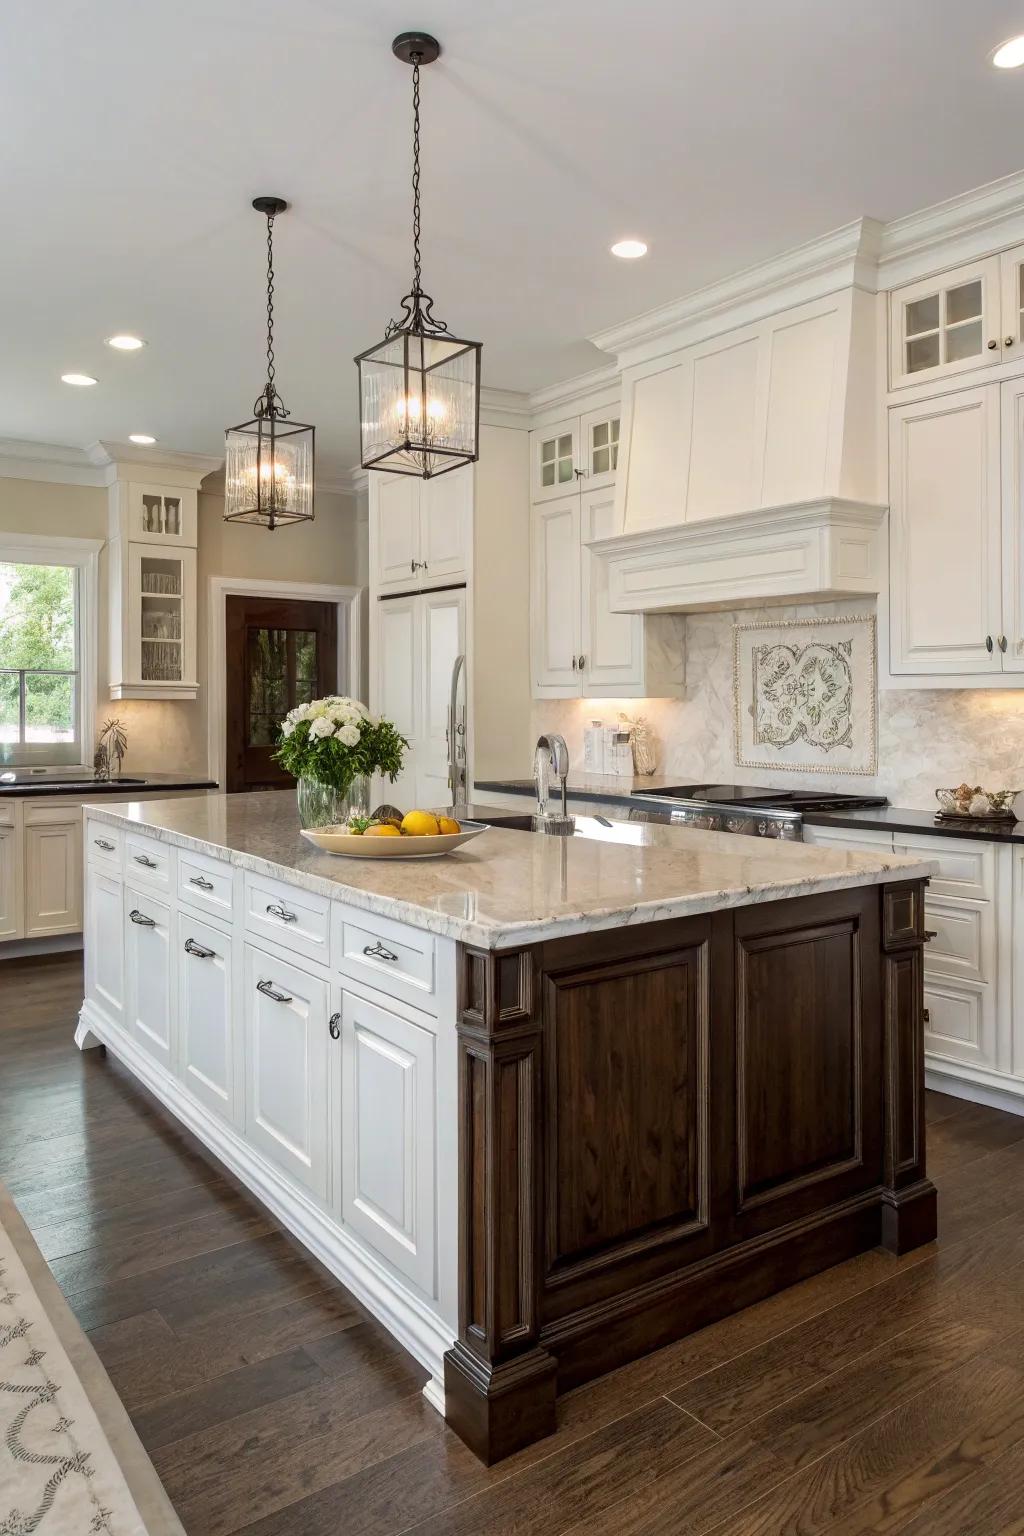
(11, 919)
(53, 878)
(555, 458)
(1012, 445)
(104, 945)
(945, 534)
(946, 324)
(612, 644)
(444, 638)
(395, 530)
(206, 1009)
(388, 1121)
(599, 445)
(398, 683)
(286, 1068)
(148, 938)
(961, 1021)
(555, 608)
(446, 521)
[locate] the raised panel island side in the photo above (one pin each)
(544, 1105)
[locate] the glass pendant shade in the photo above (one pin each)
(419, 397)
(268, 472)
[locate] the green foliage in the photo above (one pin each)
(37, 630)
(381, 749)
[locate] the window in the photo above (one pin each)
(45, 690)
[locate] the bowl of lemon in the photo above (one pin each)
(388, 834)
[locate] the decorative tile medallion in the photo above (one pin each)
(805, 695)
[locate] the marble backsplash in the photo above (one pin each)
(926, 739)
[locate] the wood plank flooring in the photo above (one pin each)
(884, 1396)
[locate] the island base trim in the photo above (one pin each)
(499, 1409)
(409, 1319)
(909, 1217)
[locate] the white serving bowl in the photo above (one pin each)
(356, 845)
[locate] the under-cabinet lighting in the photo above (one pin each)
(142, 438)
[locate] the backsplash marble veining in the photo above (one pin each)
(926, 738)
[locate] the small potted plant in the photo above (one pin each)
(332, 747)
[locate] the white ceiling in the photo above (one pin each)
(136, 133)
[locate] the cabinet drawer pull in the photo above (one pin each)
(378, 952)
(268, 990)
(203, 884)
(988, 644)
(101, 842)
(276, 910)
(140, 917)
(145, 861)
(930, 933)
(926, 1015)
(334, 1027)
(199, 950)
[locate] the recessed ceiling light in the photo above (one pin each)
(629, 250)
(142, 438)
(1009, 55)
(125, 343)
(77, 378)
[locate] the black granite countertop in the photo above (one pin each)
(90, 789)
(871, 818)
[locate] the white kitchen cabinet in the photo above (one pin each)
(387, 1117)
(285, 1023)
(53, 871)
(104, 943)
(421, 531)
(599, 446)
(947, 324)
(12, 911)
(945, 535)
(150, 974)
(418, 637)
(555, 459)
(150, 513)
(1011, 636)
(580, 648)
(206, 1009)
(443, 630)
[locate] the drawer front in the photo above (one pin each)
(295, 918)
(104, 845)
(146, 859)
(964, 942)
(961, 1023)
(858, 839)
(392, 957)
(205, 883)
(8, 811)
(965, 869)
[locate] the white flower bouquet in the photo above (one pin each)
(336, 740)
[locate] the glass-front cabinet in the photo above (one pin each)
(152, 575)
(946, 324)
(157, 514)
(557, 459)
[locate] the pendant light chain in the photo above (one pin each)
(416, 262)
(270, 302)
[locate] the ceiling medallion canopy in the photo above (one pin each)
(419, 388)
(268, 470)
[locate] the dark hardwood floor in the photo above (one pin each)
(886, 1395)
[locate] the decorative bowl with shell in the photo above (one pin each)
(980, 804)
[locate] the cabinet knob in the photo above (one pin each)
(926, 1015)
(989, 645)
(574, 663)
(992, 345)
(412, 567)
(334, 1027)
(583, 662)
(1008, 341)
(1002, 643)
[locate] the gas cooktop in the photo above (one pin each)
(757, 795)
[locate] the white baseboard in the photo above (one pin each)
(975, 1092)
(405, 1315)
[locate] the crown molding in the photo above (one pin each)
(504, 408)
(127, 461)
(843, 258)
(975, 223)
(59, 463)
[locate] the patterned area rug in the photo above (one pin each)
(70, 1461)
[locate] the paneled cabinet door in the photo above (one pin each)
(612, 644)
(555, 458)
(53, 878)
(946, 324)
(148, 932)
(945, 538)
(104, 945)
(206, 1013)
(444, 637)
(395, 531)
(387, 1118)
(285, 1021)
(1011, 637)
(397, 685)
(11, 921)
(446, 526)
(555, 599)
(599, 447)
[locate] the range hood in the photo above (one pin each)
(804, 551)
(748, 463)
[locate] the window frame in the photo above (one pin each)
(83, 556)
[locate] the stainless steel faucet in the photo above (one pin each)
(556, 757)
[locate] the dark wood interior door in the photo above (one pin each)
(279, 653)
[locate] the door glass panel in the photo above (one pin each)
(923, 353)
(556, 465)
(604, 446)
(282, 666)
(923, 315)
(963, 341)
(161, 597)
(964, 303)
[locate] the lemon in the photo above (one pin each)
(420, 824)
(448, 824)
(384, 830)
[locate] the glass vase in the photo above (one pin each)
(321, 805)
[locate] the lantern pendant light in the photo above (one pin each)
(268, 470)
(419, 388)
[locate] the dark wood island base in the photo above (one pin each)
(662, 1124)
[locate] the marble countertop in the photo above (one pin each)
(508, 888)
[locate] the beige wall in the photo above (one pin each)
(172, 736)
(501, 604)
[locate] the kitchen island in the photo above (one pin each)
(543, 1105)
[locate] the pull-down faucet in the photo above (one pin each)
(551, 753)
